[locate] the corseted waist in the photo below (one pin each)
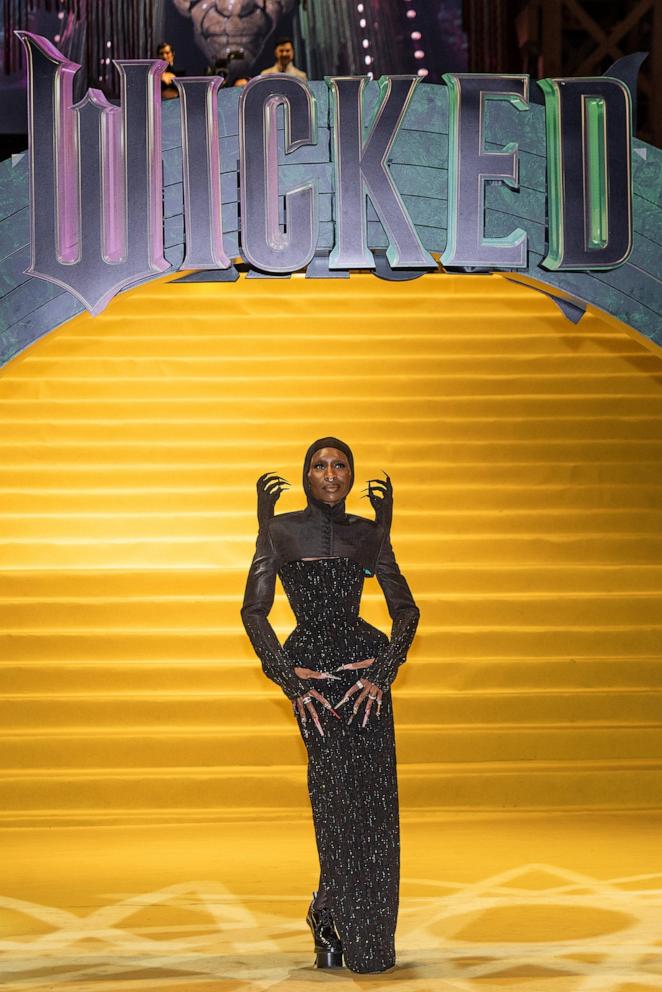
(329, 617)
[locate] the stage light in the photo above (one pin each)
(360, 8)
(365, 43)
(416, 36)
(362, 22)
(368, 60)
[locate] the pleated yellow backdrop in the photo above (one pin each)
(525, 456)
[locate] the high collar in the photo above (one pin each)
(321, 510)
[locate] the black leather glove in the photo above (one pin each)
(269, 488)
(380, 494)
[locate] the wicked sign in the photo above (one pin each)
(96, 175)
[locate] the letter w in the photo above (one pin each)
(93, 167)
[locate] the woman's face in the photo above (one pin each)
(329, 475)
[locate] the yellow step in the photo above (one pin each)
(174, 791)
(364, 367)
(39, 435)
(215, 525)
(483, 674)
(359, 416)
(127, 474)
(166, 551)
(361, 335)
(406, 387)
(425, 705)
(200, 747)
(480, 609)
(447, 578)
(510, 501)
(423, 456)
(113, 644)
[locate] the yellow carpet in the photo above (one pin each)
(532, 903)
(525, 456)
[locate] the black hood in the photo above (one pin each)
(337, 511)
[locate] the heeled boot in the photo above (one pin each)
(328, 948)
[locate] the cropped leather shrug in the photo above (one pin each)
(322, 531)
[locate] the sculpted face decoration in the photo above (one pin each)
(330, 475)
(222, 26)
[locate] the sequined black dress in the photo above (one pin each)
(352, 779)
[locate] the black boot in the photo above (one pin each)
(328, 949)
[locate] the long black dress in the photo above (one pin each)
(352, 777)
(352, 780)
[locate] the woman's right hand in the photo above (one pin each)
(305, 702)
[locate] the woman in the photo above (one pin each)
(322, 555)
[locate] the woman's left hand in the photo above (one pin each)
(356, 664)
(310, 673)
(367, 691)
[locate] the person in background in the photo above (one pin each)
(284, 53)
(166, 52)
(238, 73)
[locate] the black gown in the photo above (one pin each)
(352, 775)
(352, 780)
